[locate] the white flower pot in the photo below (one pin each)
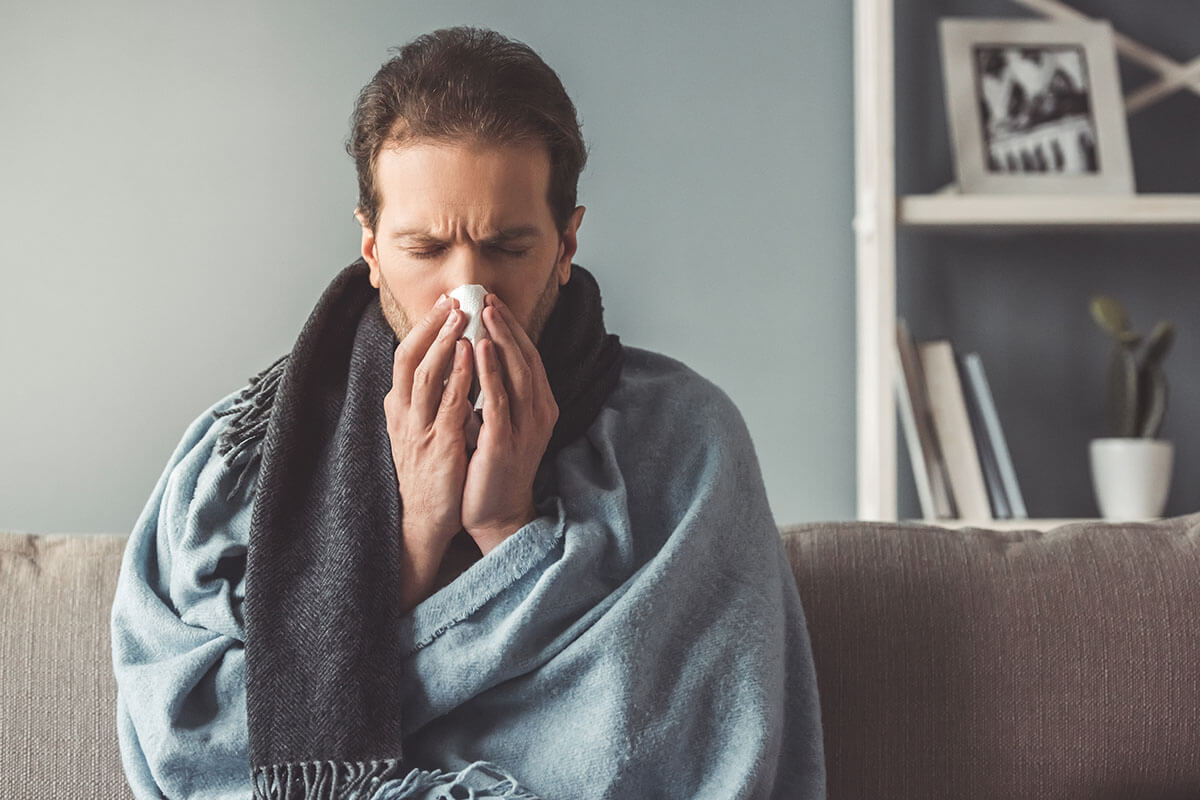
(1131, 477)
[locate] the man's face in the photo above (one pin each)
(462, 212)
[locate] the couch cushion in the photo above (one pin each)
(58, 733)
(983, 664)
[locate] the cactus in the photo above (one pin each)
(1137, 389)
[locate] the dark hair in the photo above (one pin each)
(467, 84)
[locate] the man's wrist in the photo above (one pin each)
(420, 558)
(490, 536)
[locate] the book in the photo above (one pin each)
(929, 471)
(916, 455)
(987, 456)
(952, 426)
(977, 380)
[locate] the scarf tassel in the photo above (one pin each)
(322, 780)
(251, 412)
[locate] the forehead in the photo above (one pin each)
(463, 182)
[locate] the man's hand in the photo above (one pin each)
(425, 424)
(519, 413)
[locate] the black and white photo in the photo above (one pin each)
(1035, 107)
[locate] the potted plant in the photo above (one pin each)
(1131, 470)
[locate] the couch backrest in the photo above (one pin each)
(977, 664)
(58, 732)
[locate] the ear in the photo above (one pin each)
(370, 253)
(567, 245)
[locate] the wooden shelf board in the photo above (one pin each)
(1044, 212)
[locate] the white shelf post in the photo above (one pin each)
(875, 232)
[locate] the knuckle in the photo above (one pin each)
(434, 318)
(394, 405)
(452, 396)
(519, 375)
(405, 354)
(422, 376)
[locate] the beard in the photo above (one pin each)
(401, 324)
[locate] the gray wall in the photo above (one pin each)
(1021, 301)
(174, 197)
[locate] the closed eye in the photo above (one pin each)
(510, 252)
(425, 252)
(435, 251)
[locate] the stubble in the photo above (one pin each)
(400, 323)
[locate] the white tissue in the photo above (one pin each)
(470, 302)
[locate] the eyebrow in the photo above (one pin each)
(504, 235)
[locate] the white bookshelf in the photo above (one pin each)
(879, 212)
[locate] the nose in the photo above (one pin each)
(466, 264)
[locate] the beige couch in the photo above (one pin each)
(951, 664)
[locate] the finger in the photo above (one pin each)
(412, 349)
(455, 404)
(516, 374)
(496, 407)
(540, 382)
(429, 376)
(528, 348)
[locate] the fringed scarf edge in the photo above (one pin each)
(242, 440)
(322, 780)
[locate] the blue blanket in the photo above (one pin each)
(642, 638)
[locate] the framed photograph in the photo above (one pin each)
(1035, 107)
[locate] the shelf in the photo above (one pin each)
(949, 210)
(880, 215)
(1002, 524)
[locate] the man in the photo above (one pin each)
(350, 583)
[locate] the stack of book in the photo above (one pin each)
(959, 455)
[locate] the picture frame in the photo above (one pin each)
(1035, 107)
